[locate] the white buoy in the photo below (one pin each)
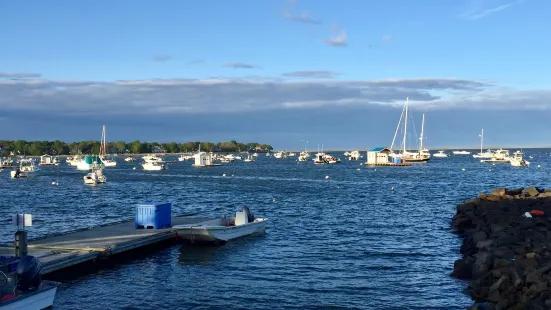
(463, 169)
(326, 177)
(54, 183)
(358, 169)
(539, 166)
(134, 168)
(224, 175)
(393, 187)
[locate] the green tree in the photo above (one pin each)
(120, 146)
(173, 147)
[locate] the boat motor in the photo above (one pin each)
(28, 272)
(250, 216)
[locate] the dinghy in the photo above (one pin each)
(221, 230)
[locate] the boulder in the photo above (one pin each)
(514, 192)
(482, 264)
(499, 192)
(531, 191)
(494, 198)
(462, 269)
(479, 236)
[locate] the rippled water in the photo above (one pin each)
(351, 241)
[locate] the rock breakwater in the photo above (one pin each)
(506, 250)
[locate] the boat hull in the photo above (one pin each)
(203, 232)
(40, 299)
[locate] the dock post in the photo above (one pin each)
(20, 243)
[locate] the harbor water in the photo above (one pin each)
(362, 238)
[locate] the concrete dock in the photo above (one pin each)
(65, 250)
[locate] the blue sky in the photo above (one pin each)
(330, 72)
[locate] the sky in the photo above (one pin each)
(281, 72)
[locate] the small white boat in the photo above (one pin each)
(26, 165)
(96, 176)
(153, 166)
(25, 290)
(461, 153)
(291, 154)
(255, 154)
(500, 156)
(249, 159)
(224, 229)
(153, 158)
(129, 159)
(354, 155)
(280, 155)
(88, 162)
(518, 161)
(320, 159)
(440, 154)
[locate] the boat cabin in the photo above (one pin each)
(379, 155)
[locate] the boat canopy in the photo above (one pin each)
(380, 150)
(92, 159)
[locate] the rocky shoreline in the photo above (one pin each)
(506, 248)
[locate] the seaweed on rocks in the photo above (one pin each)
(506, 250)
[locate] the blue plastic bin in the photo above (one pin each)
(153, 215)
(397, 160)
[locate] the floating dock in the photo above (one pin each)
(88, 245)
(389, 164)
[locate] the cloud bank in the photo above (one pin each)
(240, 65)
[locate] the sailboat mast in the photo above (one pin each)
(481, 140)
(397, 128)
(102, 143)
(406, 125)
(422, 132)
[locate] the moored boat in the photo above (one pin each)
(440, 154)
(96, 176)
(224, 229)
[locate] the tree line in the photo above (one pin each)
(37, 148)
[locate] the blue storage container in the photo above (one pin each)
(153, 215)
(397, 160)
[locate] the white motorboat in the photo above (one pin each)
(255, 154)
(73, 161)
(354, 155)
(280, 155)
(26, 291)
(517, 160)
(129, 159)
(291, 154)
(440, 154)
(153, 158)
(500, 156)
(461, 153)
(249, 159)
(26, 165)
(221, 230)
(304, 154)
(153, 166)
(88, 161)
(407, 156)
(96, 176)
(332, 159)
(320, 158)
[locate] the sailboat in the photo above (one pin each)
(482, 154)
(422, 155)
(107, 162)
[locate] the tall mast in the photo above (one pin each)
(422, 131)
(481, 140)
(397, 128)
(102, 143)
(406, 125)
